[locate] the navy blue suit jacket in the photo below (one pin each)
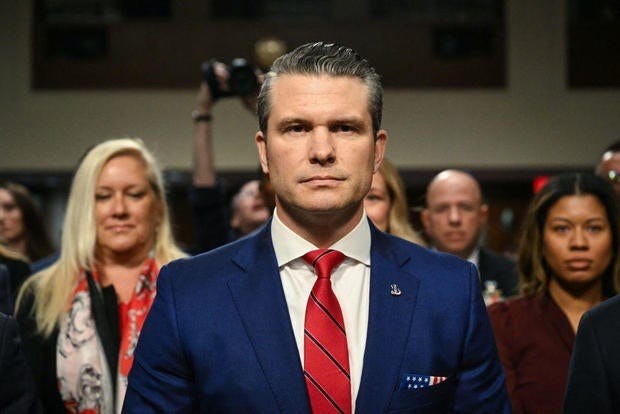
(219, 337)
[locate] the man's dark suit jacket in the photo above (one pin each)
(493, 266)
(17, 272)
(17, 390)
(219, 338)
(594, 373)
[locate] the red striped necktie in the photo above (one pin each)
(326, 358)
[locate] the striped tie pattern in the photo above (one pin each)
(326, 358)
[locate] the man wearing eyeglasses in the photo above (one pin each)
(609, 166)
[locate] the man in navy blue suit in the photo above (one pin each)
(236, 329)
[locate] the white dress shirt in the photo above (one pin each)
(350, 283)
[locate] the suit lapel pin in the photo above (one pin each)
(395, 290)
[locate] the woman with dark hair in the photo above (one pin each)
(568, 263)
(21, 225)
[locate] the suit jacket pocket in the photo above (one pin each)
(435, 399)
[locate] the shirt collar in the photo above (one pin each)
(289, 246)
(474, 256)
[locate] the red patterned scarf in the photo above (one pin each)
(84, 379)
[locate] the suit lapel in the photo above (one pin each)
(389, 324)
(259, 299)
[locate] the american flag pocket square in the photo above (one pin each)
(416, 381)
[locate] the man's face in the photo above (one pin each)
(455, 215)
(609, 169)
(320, 152)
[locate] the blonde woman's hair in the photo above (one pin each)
(52, 287)
(399, 224)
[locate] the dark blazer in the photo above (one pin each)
(493, 266)
(40, 351)
(17, 391)
(594, 373)
(18, 272)
(6, 296)
(219, 339)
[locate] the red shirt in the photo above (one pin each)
(535, 342)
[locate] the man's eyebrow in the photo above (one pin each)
(348, 120)
(289, 121)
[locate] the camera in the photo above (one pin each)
(242, 79)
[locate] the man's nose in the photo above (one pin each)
(322, 148)
(454, 215)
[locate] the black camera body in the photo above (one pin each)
(242, 78)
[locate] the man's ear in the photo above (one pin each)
(484, 213)
(261, 146)
(425, 219)
(234, 221)
(380, 144)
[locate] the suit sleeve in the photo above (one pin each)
(481, 387)
(588, 386)
(17, 390)
(160, 379)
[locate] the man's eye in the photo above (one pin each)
(345, 128)
(295, 128)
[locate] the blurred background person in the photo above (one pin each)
(16, 271)
(386, 204)
(214, 225)
(454, 219)
(17, 391)
(80, 317)
(21, 225)
(608, 166)
(568, 263)
(248, 207)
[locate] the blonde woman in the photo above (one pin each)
(386, 204)
(81, 317)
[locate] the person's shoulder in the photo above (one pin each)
(440, 269)
(45, 262)
(496, 259)
(5, 323)
(214, 262)
(512, 310)
(606, 312)
(401, 248)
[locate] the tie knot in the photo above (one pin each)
(324, 261)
